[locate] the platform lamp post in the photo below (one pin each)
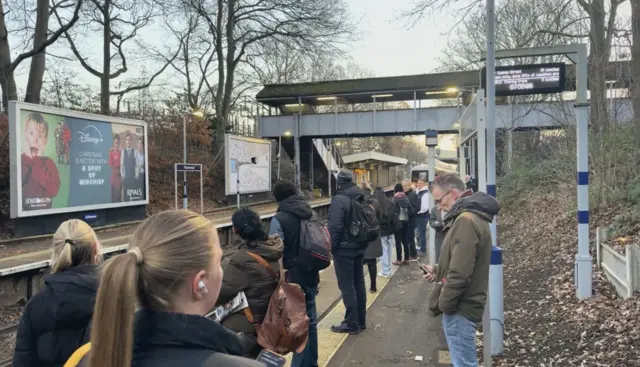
(197, 113)
(279, 156)
(240, 164)
(431, 137)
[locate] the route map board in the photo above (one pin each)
(254, 177)
(516, 80)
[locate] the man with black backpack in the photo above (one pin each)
(306, 252)
(352, 225)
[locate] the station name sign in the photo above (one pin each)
(516, 80)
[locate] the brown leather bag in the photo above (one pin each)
(285, 327)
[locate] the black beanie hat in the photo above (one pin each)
(398, 188)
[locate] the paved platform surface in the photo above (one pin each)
(400, 332)
(33, 251)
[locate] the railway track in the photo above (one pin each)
(125, 225)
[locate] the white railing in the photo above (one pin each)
(623, 271)
(327, 158)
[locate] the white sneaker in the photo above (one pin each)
(383, 275)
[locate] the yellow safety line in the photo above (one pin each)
(330, 341)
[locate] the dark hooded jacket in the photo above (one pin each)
(56, 320)
(414, 199)
(339, 217)
(244, 273)
(286, 223)
(179, 340)
(463, 267)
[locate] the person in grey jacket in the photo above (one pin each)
(435, 221)
(347, 256)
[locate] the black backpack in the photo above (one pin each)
(314, 252)
(363, 223)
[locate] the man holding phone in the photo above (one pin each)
(462, 274)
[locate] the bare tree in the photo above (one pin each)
(237, 27)
(42, 38)
(602, 31)
(120, 21)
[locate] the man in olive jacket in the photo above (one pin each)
(462, 273)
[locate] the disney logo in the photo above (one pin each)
(87, 137)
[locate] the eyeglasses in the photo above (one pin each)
(442, 197)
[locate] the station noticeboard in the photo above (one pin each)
(514, 80)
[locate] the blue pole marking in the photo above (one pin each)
(583, 213)
(491, 190)
(496, 255)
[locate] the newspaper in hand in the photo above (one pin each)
(236, 304)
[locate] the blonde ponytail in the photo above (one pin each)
(74, 243)
(112, 325)
(164, 251)
(63, 260)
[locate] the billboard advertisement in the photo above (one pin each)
(66, 161)
(247, 165)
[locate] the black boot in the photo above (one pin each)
(343, 328)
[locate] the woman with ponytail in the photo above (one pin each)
(246, 272)
(56, 320)
(152, 300)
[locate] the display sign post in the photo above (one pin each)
(183, 167)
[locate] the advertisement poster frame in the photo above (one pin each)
(227, 163)
(16, 140)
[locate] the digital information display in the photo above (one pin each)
(516, 80)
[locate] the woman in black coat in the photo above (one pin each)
(56, 320)
(245, 273)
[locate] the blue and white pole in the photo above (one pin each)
(496, 302)
(582, 271)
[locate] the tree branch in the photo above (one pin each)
(54, 37)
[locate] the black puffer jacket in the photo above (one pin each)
(244, 273)
(388, 220)
(414, 199)
(339, 215)
(180, 340)
(56, 320)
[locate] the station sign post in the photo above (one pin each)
(185, 168)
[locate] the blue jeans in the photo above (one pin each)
(461, 339)
(309, 356)
(387, 251)
(422, 232)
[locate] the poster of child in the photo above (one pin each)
(40, 177)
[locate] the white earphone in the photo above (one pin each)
(202, 287)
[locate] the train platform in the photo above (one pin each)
(400, 331)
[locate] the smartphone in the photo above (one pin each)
(423, 268)
(271, 359)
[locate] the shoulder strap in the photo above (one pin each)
(264, 263)
(78, 355)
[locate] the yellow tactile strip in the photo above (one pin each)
(328, 341)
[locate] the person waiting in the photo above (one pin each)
(246, 272)
(56, 320)
(173, 274)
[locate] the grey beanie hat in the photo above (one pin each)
(344, 177)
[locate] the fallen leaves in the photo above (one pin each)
(545, 324)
